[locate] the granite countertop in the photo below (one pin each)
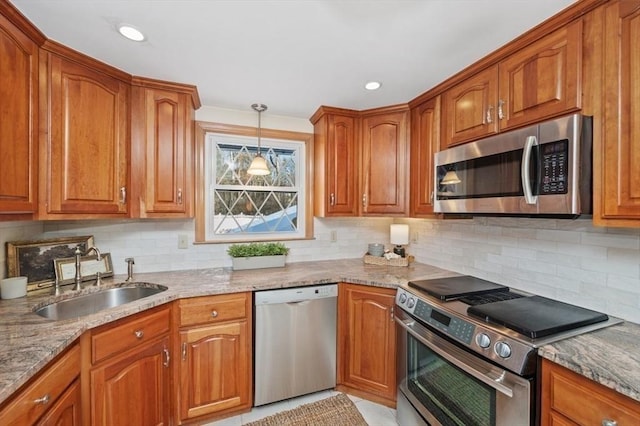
(28, 342)
(610, 356)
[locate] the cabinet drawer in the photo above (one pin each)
(212, 309)
(47, 388)
(586, 402)
(128, 333)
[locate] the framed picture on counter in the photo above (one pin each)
(35, 259)
(89, 267)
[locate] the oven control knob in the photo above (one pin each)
(503, 349)
(483, 340)
(403, 298)
(411, 302)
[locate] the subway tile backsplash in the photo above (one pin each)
(568, 260)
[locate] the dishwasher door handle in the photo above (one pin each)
(299, 302)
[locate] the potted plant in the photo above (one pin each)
(257, 255)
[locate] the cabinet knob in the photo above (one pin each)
(214, 313)
(167, 358)
(45, 400)
(489, 118)
(123, 195)
(609, 422)
(139, 334)
(500, 112)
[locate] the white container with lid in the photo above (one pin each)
(14, 287)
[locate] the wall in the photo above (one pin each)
(567, 260)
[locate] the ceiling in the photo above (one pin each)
(293, 55)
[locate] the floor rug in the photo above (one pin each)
(337, 410)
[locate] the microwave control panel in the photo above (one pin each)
(555, 167)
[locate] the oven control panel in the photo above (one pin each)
(452, 326)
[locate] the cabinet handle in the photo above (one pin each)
(139, 334)
(431, 197)
(184, 351)
(500, 112)
(364, 200)
(489, 120)
(179, 195)
(214, 313)
(609, 422)
(45, 400)
(166, 357)
(123, 195)
(332, 199)
(392, 313)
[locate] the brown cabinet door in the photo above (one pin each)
(215, 369)
(385, 170)
(619, 186)
(469, 108)
(87, 147)
(132, 389)
(367, 340)
(67, 409)
(425, 142)
(166, 145)
(18, 120)
(542, 80)
(336, 165)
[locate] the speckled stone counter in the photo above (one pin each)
(28, 342)
(610, 356)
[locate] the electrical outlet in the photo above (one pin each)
(334, 236)
(183, 241)
(414, 238)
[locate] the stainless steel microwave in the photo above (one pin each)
(543, 170)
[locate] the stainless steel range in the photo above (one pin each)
(468, 350)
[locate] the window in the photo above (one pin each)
(238, 206)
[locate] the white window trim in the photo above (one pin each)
(202, 128)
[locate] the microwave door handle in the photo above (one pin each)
(452, 354)
(529, 198)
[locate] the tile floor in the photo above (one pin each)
(374, 414)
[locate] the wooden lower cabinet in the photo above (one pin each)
(569, 398)
(131, 386)
(52, 398)
(213, 374)
(366, 342)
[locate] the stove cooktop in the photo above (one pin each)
(495, 321)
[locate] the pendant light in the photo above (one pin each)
(259, 164)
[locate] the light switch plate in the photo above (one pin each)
(183, 241)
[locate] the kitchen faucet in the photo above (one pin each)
(78, 254)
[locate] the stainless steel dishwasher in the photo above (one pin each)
(295, 342)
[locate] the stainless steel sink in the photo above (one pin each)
(95, 302)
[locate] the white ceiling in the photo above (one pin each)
(293, 55)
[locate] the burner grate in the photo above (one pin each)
(498, 296)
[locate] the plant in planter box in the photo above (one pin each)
(257, 255)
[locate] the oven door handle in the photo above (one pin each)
(453, 354)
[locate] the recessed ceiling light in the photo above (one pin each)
(130, 32)
(372, 85)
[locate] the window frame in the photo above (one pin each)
(201, 185)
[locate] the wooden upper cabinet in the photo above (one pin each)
(336, 163)
(468, 109)
(539, 81)
(425, 142)
(617, 180)
(85, 157)
(19, 63)
(162, 149)
(385, 155)
(542, 80)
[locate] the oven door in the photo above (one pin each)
(446, 385)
